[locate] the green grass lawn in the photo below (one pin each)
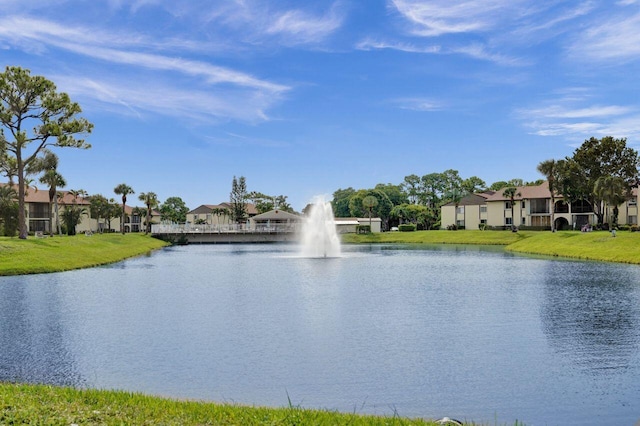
(597, 245)
(63, 253)
(47, 405)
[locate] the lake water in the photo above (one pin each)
(464, 332)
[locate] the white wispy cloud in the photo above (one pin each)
(138, 96)
(475, 50)
(562, 118)
(419, 104)
(264, 23)
(238, 95)
(298, 26)
(370, 44)
(615, 38)
(433, 18)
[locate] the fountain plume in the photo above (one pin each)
(319, 236)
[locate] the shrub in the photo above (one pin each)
(363, 229)
(452, 227)
(634, 228)
(407, 227)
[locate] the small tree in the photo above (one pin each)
(150, 199)
(123, 189)
(9, 210)
(34, 115)
(100, 207)
(72, 213)
(48, 166)
(612, 191)
(369, 202)
(238, 199)
(511, 193)
(174, 210)
(549, 169)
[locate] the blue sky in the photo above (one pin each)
(303, 98)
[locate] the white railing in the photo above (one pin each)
(190, 228)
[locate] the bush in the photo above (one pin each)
(534, 228)
(634, 228)
(363, 229)
(407, 227)
(452, 227)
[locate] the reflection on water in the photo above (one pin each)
(591, 315)
(32, 341)
(463, 331)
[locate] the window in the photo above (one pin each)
(524, 221)
(508, 221)
(38, 210)
(539, 206)
(633, 201)
(633, 220)
(460, 210)
(483, 221)
(507, 205)
(483, 209)
(460, 223)
(522, 204)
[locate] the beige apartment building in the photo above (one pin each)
(531, 208)
(37, 214)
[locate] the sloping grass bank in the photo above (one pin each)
(38, 404)
(597, 245)
(63, 253)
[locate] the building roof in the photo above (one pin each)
(205, 208)
(279, 215)
(525, 193)
(208, 208)
(473, 199)
(41, 195)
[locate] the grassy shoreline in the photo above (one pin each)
(43, 404)
(596, 246)
(64, 253)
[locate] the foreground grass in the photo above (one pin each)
(63, 253)
(597, 245)
(39, 404)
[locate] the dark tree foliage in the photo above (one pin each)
(340, 202)
(238, 199)
(174, 210)
(594, 159)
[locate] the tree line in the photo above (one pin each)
(601, 172)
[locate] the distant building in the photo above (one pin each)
(532, 208)
(348, 225)
(216, 214)
(38, 213)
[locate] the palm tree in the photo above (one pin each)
(9, 209)
(150, 199)
(73, 213)
(369, 202)
(613, 191)
(549, 169)
(511, 193)
(220, 211)
(54, 180)
(124, 190)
